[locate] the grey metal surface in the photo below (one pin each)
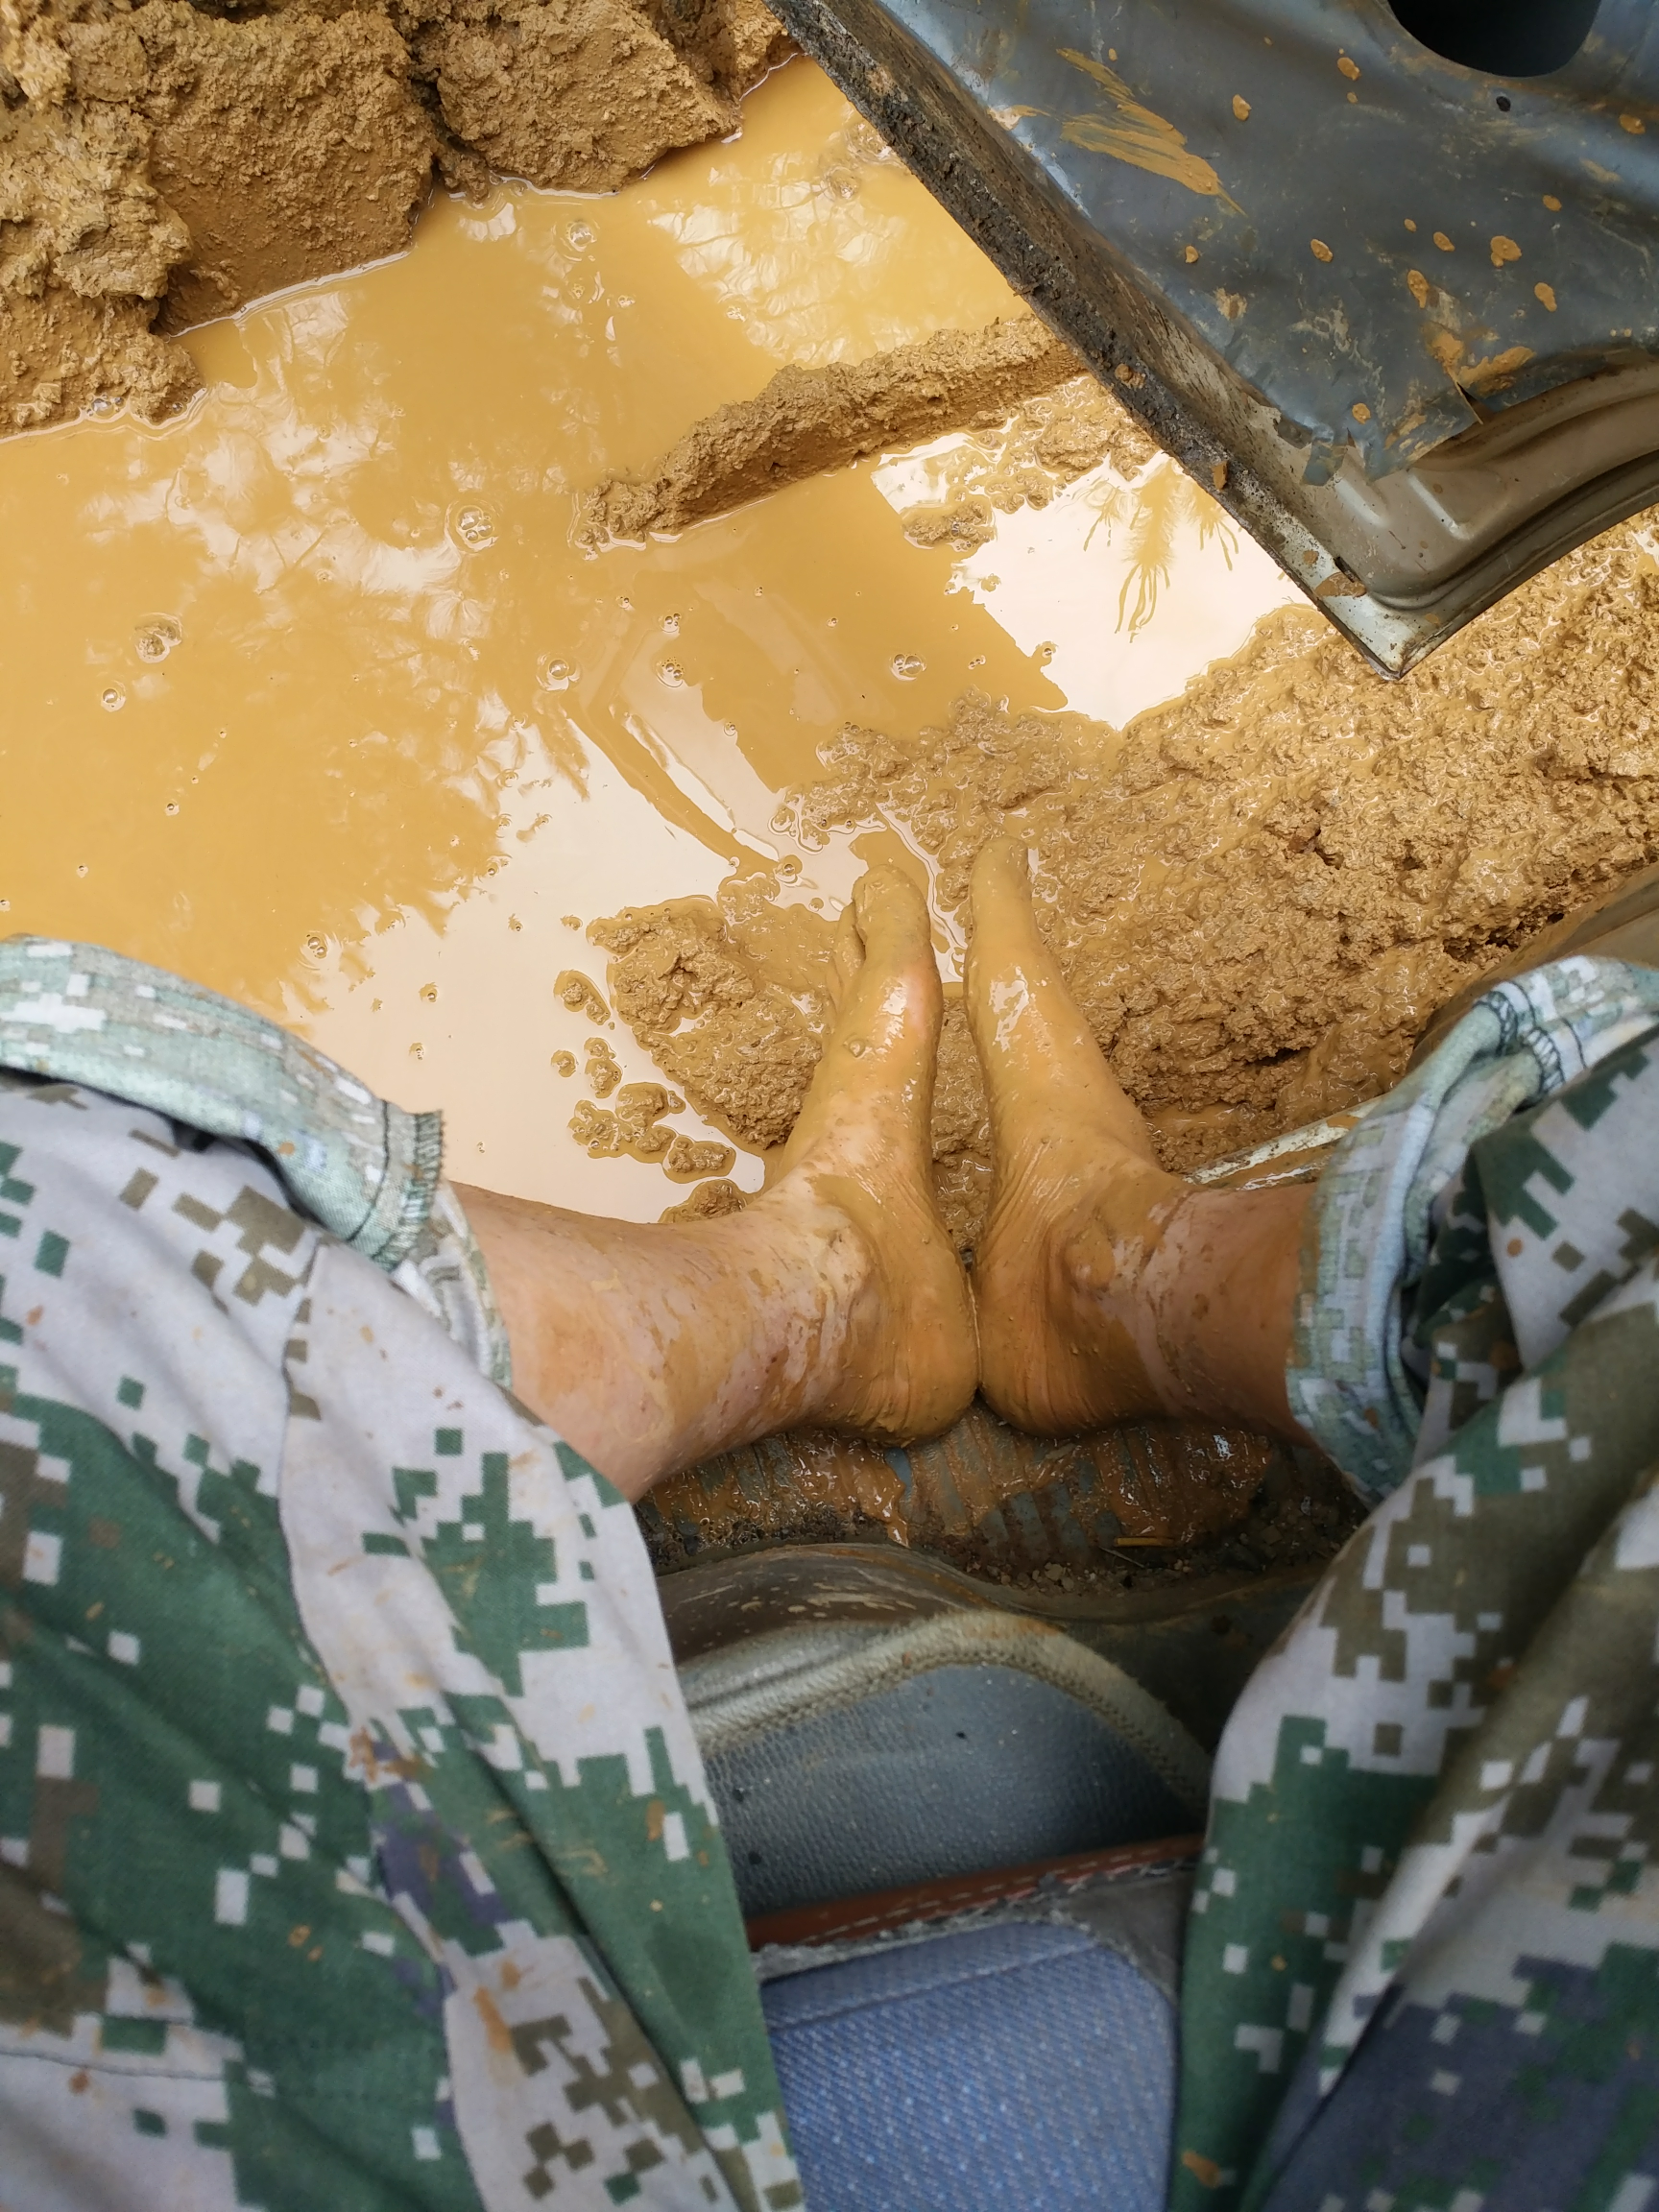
(969, 1767)
(1231, 208)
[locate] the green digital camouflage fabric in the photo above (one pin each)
(1422, 1966)
(1352, 1382)
(355, 1851)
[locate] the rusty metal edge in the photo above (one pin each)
(881, 1911)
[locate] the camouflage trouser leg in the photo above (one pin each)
(354, 1847)
(1423, 1965)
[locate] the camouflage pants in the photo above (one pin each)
(355, 1851)
(1422, 1967)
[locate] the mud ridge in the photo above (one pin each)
(810, 420)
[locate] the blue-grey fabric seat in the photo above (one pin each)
(1023, 2053)
(1021, 2065)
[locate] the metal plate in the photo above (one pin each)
(1400, 315)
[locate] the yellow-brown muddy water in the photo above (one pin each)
(309, 696)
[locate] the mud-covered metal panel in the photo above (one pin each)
(1401, 314)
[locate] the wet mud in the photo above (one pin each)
(810, 420)
(325, 633)
(1259, 892)
(162, 164)
(1115, 1509)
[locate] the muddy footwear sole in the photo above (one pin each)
(1192, 1642)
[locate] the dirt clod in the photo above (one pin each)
(163, 163)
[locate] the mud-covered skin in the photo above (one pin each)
(1105, 1288)
(833, 1300)
(161, 164)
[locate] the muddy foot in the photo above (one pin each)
(898, 1357)
(1078, 1200)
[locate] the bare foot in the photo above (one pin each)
(1106, 1289)
(834, 1299)
(1079, 1202)
(855, 1180)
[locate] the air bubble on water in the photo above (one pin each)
(172, 806)
(579, 236)
(429, 991)
(907, 666)
(626, 604)
(556, 675)
(80, 868)
(112, 698)
(476, 527)
(671, 673)
(155, 636)
(317, 947)
(670, 625)
(730, 728)
(1046, 651)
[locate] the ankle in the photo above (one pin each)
(1097, 1320)
(1219, 1294)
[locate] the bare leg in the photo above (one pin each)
(1105, 1288)
(833, 1299)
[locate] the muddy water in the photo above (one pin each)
(309, 695)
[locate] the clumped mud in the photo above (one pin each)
(810, 420)
(1116, 1507)
(162, 164)
(1259, 892)
(730, 1000)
